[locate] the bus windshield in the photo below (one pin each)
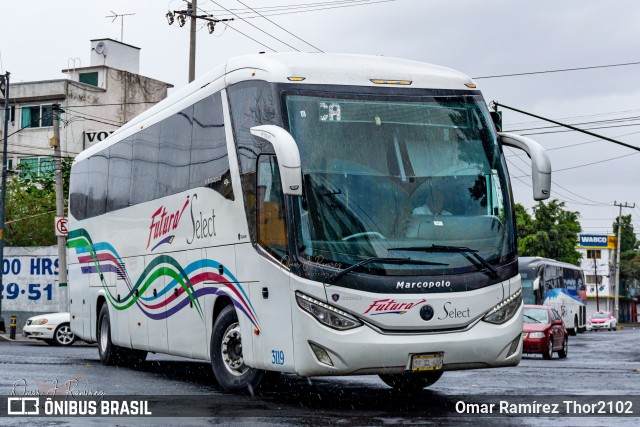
(393, 177)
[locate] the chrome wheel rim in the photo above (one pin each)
(104, 333)
(64, 335)
(231, 350)
(564, 346)
(550, 350)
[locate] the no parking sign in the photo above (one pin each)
(61, 226)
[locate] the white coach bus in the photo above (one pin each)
(557, 284)
(305, 213)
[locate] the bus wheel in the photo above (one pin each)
(226, 355)
(574, 331)
(111, 354)
(410, 382)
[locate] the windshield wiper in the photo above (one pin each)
(532, 318)
(470, 254)
(349, 269)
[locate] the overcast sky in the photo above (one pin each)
(479, 38)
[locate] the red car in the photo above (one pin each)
(544, 332)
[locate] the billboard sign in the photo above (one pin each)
(597, 241)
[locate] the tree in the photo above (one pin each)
(628, 239)
(552, 232)
(31, 208)
(629, 255)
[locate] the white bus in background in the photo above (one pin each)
(304, 213)
(556, 284)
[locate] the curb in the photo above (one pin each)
(5, 337)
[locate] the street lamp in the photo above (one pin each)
(170, 18)
(212, 26)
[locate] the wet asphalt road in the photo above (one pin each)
(602, 363)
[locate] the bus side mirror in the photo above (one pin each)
(287, 154)
(536, 284)
(540, 163)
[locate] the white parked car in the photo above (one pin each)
(53, 328)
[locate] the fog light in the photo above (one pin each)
(514, 345)
(321, 354)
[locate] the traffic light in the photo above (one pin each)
(496, 116)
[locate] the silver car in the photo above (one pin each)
(52, 328)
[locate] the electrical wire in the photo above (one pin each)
(556, 71)
(256, 27)
(320, 7)
(282, 28)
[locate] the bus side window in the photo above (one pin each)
(272, 232)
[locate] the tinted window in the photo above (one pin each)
(174, 159)
(78, 190)
(144, 166)
(119, 175)
(251, 104)
(97, 194)
(209, 157)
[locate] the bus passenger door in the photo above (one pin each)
(271, 296)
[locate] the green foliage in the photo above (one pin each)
(30, 208)
(552, 232)
(629, 255)
(627, 234)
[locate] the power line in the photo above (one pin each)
(282, 28)
(583, 130)
(291, 6)
(367, 3)
(256, 27)
(589, 164)
(249, 37)
(496, 105)
(620, 119)
(557, 71)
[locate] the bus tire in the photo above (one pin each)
(226, 355)
(574, 331)
(110, 354)
(410, 382)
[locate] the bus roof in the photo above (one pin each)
(527, 263)
(315, 68)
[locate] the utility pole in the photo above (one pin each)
(616, 285)
(193, 6)
(595, 268)
(4, 88)
(192, 13)
(62, 240)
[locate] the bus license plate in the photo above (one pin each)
(427, 362)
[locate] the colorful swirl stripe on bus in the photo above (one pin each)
(201, 277)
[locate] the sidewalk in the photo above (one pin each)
(19, 338)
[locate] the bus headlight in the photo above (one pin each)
(326, 314)
(505, 310)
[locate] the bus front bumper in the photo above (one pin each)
(365, 350)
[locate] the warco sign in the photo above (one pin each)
(597, 241)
